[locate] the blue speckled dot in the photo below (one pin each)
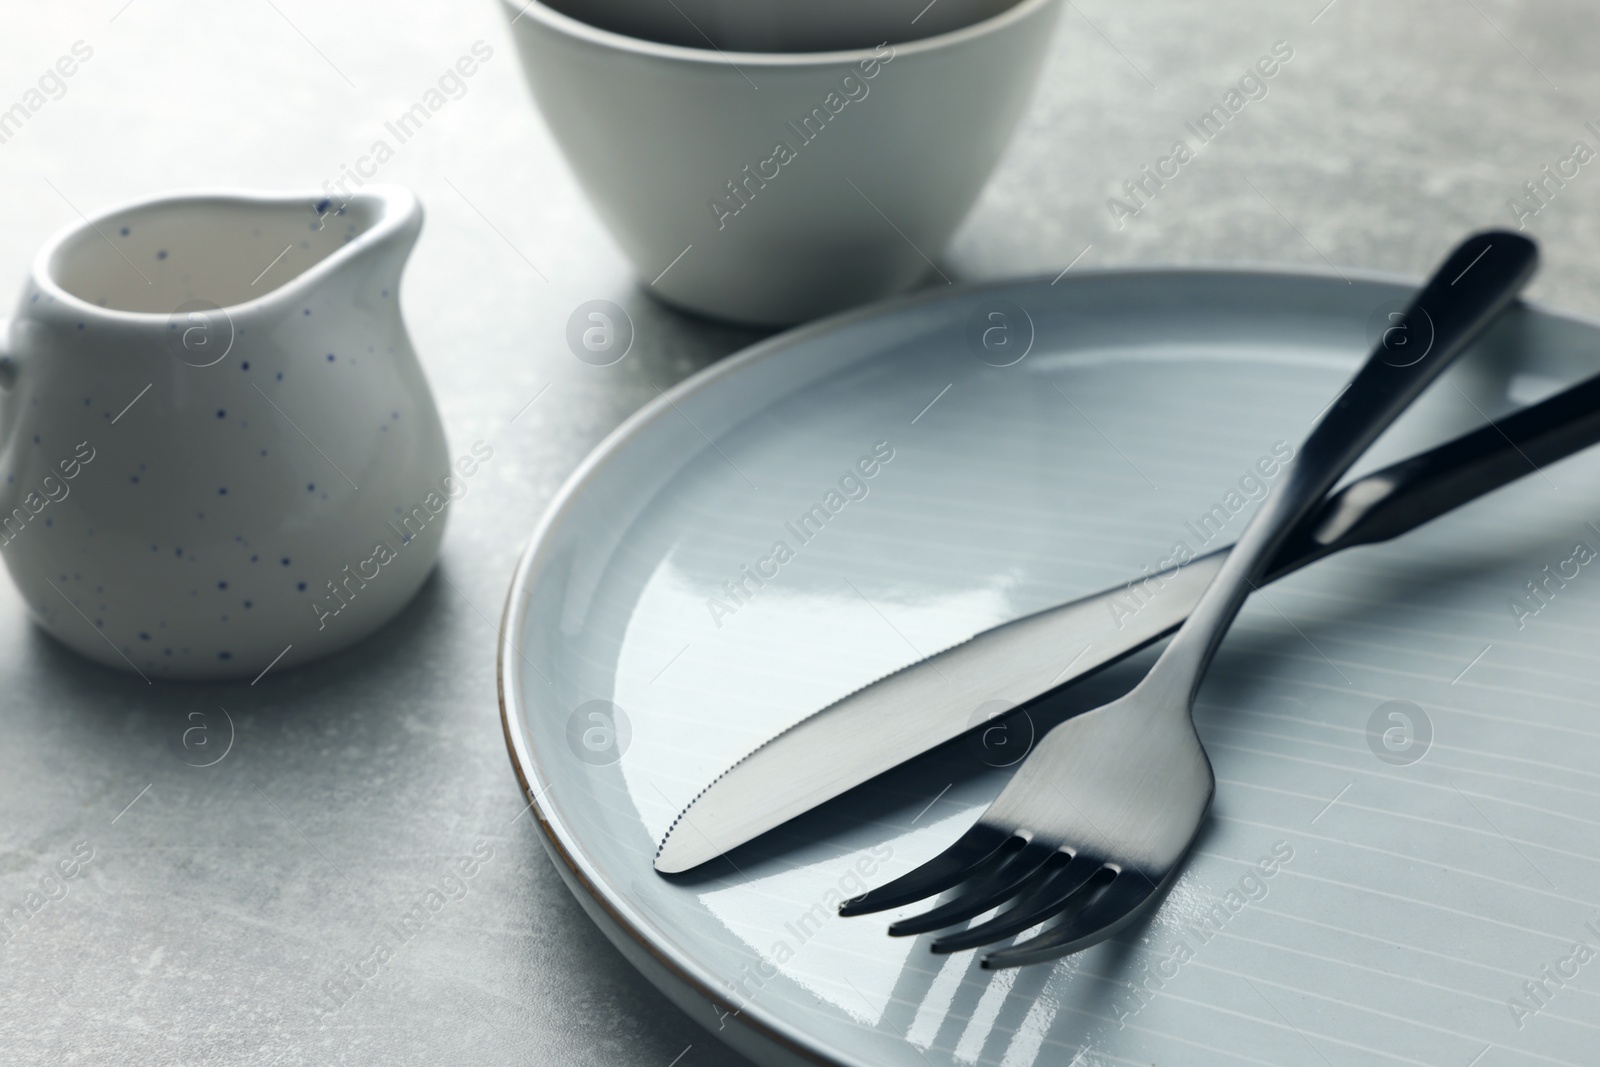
(224, 655)
(161, 254)
(307, 311)
(311, 488)
(301, 586)
(134, 478)
(280, 376)
(80, 326)
(35, 438)
(285, 561)
(179, 552)
(124, 231)
(222, 585)
(247, 604)
(330, 357)
(144, 637)
(245, 365)
(263, 451)
(221, 414)
(254, 558)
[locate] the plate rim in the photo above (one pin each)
(635, 927)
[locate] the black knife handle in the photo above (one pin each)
(1399, 498)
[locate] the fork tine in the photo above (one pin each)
(1121, 903)
(950, 867)
(1064, 886)
(996, 887)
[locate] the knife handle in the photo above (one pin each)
(1414, 491)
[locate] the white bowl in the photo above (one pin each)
(770, 186)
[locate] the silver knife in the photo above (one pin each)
(921, 706)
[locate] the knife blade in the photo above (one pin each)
(927, 703)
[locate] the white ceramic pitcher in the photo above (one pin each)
(218, 452)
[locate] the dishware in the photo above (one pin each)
(1003, 499)
(1100, 815)
(923, 705)
(769, 163)
(219, 451)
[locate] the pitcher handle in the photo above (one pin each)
(8, 362)
(12, 364)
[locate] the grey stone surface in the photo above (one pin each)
(217, 904)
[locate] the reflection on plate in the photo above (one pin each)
(1408, 803)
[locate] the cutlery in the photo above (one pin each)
(1097, 819)
(930, 702)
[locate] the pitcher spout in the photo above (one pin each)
(377, 228)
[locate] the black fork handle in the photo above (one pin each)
(1473, 286)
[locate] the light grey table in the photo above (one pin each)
(219, 900)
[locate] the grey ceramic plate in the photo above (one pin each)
(1427, 857)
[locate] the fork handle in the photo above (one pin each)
(1474, 285)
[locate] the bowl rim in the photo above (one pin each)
(597, 37)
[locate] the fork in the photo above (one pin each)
(1096, 820)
